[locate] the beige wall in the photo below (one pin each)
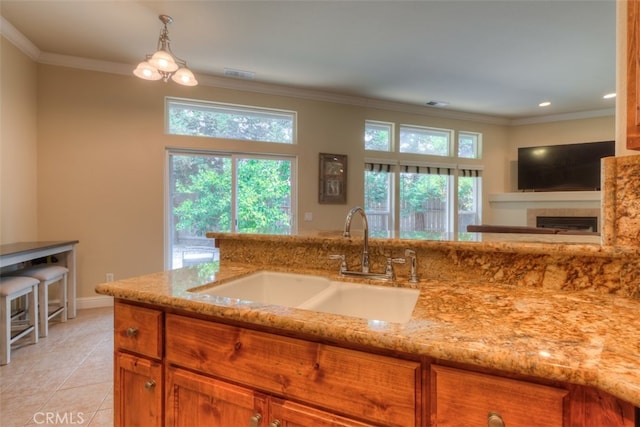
(101, 157)
(18, 146)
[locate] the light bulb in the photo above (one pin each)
(185, 77)
(163, 61)
(146, 71)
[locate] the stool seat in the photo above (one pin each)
(11, 288)
(48, 274)
(44, 272)
(10, 285)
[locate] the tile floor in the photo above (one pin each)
(64, 380)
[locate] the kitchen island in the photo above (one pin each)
(489, 317)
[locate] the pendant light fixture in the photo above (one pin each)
(164, 64)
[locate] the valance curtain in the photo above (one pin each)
(426, 169)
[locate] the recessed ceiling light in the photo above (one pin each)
(544, 104)
(609, 96)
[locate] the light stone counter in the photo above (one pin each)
(582, 337)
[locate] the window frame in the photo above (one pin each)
(390, 126)
(213, 106)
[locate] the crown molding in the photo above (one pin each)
(32, 51)
(564, 117)
(18, 39)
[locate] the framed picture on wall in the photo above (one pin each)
(333, 179)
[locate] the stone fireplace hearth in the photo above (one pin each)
(565, 218)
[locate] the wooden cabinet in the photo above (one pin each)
(354, 384)
(137, 391)
(199, 400)
(633, 75)
(464, 398)
(138, 330)
(138, 379)
(175, 370)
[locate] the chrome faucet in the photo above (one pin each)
(413, 275)
(365, 224)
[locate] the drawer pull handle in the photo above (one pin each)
(237, 346)
(255, 420)
(132, 332)
(495, 420)
(275, 423)
(150, 385)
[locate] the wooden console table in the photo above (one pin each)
(65, 251)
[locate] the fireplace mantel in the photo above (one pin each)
(546, 196)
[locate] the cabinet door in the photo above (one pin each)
(137, 392)
(196, 400)
(464, 398)
(288, 414)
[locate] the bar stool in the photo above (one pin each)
(47, 275)
(11, 288)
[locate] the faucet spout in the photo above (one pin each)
(365, 224)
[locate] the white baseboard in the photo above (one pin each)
(94, 302)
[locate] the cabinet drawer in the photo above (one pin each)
(373, 387)
(463, 398)
(138, 329)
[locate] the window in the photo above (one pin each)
(378, 200)
(422, 140)
(412, 196)
(468, 145)
(469, 198)
(424, 201)
(216, 120)
(378, 136)
(225, 193)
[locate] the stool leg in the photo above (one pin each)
(32, 299)
(5, 331)
(63, 298)
(43, 305)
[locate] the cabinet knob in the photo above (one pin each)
(275, 423)
(131, 332)
(494, 419)
(255, 420)
(150, 385)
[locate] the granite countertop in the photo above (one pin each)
(578, 337)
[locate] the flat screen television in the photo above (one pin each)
(569, 167)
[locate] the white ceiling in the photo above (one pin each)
(498, 58)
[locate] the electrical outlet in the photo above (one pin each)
(109, 277)
(308, 216)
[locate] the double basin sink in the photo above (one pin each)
(316, 293)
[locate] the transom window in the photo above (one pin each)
(469, 145)
(218, 120)
(378, 136)
(422, 140)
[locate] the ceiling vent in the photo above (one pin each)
(437, 104)
(239, 74)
